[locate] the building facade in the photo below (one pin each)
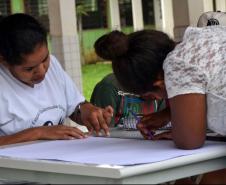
(75, 23)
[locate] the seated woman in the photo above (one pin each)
(36, 94)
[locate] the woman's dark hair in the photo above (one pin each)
(137, 58)
(19, 35)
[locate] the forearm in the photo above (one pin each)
(30, 134)
(188, 125)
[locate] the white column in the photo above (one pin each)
(175, 18)
(64, 37)
(221, 5)
(167, 17)
(181, 18)
(196, 8)
(114, 15)
(137, 10)
(158, 14)
(207, 5)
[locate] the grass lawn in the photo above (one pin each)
(91, 74)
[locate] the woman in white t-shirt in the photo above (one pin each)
(36, 95)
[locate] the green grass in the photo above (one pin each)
(91, 74)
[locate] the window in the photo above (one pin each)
(96, 11)
(148, 12)
(39, 10)
(125, 8)
(4, 7)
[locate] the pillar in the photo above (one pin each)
(64, 37)
(221, 5)
(196, 8)
(137, 11)
(175, 18)
(114, 15)
(158, 14)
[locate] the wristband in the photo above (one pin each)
(77, 111)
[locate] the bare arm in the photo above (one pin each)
(188, 118)
(44, 132)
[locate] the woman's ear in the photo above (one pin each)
(159, 83)
(160, 80)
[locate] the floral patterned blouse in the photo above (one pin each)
(198, 65)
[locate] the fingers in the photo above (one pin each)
(147, 133)
(143, 128)
(104, 125)
(108, 114)
(153, 121)
(97, 122)
(89, 127)
(94, 122)
(97, 118)
(165, 136)
(109, 110)
(102, 121)
(73, 133)
(89, 117)
(62, 132)
(145, 136)
(150, 135)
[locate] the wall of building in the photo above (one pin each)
(173, 16)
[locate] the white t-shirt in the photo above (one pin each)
(48, 103)
(198, 65)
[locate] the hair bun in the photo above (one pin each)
(111, 45)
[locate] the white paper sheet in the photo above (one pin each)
(98, 150)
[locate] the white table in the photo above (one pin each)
(55, 172)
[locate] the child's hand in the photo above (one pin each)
(155, 120)
(96, 118)
(151, 122)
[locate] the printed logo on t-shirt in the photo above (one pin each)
(53, 115)
(212, 21)
(50, 123)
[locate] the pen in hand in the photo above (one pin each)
(138, 119)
